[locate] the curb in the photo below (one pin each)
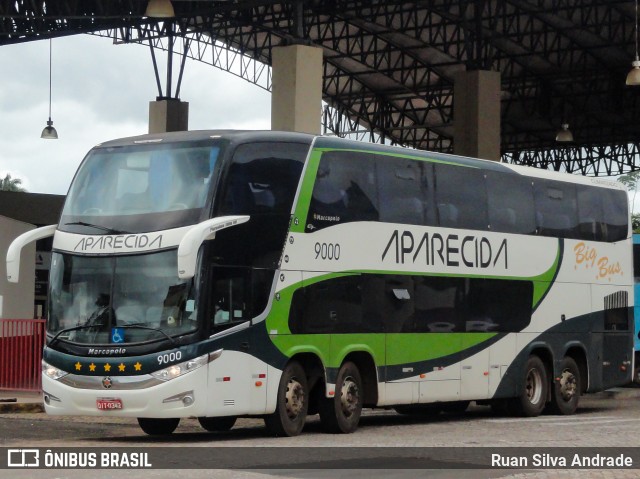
(20, 402)
(24, 407)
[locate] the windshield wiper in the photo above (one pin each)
(103, 228)
(150, 328)
(75, 328)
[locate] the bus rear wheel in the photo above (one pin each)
(292, 402)
(158, 426)
(534, 390)
(341, 413)
(217, 424)
(566, 388)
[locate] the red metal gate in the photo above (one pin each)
(21, 343)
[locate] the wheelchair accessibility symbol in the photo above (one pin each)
(117, 335)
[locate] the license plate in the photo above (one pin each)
(110, 404)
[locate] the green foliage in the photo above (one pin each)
(11, 184)
(630, 180)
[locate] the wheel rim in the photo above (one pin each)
(568, 385)
(294, 398)
(534, 386)
(349, 397)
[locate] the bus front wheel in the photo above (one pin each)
(292, 402)
(341, 413)
(566, 388)
(534, 390)
(158, 426)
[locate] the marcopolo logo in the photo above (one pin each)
(23, 458)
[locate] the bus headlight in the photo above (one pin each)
(52, 372)
(179, 369)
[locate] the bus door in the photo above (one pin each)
(232, 377)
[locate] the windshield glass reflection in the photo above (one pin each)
(119, 300)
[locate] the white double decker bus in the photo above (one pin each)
(220, 274)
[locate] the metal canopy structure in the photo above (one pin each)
(389, 65)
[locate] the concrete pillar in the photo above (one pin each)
(476, 114)
(169, 114)
(296, 94)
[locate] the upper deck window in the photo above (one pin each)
(142, 188)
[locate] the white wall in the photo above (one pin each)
(17, 299)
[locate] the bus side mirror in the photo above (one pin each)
(13, 253)
(190, 244)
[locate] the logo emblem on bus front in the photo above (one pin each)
(107, 382)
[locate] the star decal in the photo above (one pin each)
(121, 367)
(137, 366)
(92, 367)
(107, 367)
(78, 366)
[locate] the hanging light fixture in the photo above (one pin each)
(564, 135)
(49, 132)
(160, 9)
(633, 78)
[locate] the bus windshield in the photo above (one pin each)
(92, 296)
(140, 188)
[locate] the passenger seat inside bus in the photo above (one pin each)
(448, 214)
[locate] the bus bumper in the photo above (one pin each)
(127, 396)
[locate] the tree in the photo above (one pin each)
(11, 184)
(630, 180)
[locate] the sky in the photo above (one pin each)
(101, 91)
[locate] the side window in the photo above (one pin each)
(498, 305)
(590, 214)
(331, 306)
(230, 296)
(510, 201)
(556, 208)
(345, 190)
(470, 305)
(403, 191)
(461, 197)
(263, 178)
(615, 213)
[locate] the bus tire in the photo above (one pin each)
(534, 390)
(292, 402)
(158, 426)
(341, 413)
(217, 424)
(565, 392)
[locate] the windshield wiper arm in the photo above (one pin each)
(103, 228)
(150, 328)
(75, 328)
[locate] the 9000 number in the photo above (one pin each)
(169, 357)
(330, 251)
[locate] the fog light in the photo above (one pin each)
(188, 400)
